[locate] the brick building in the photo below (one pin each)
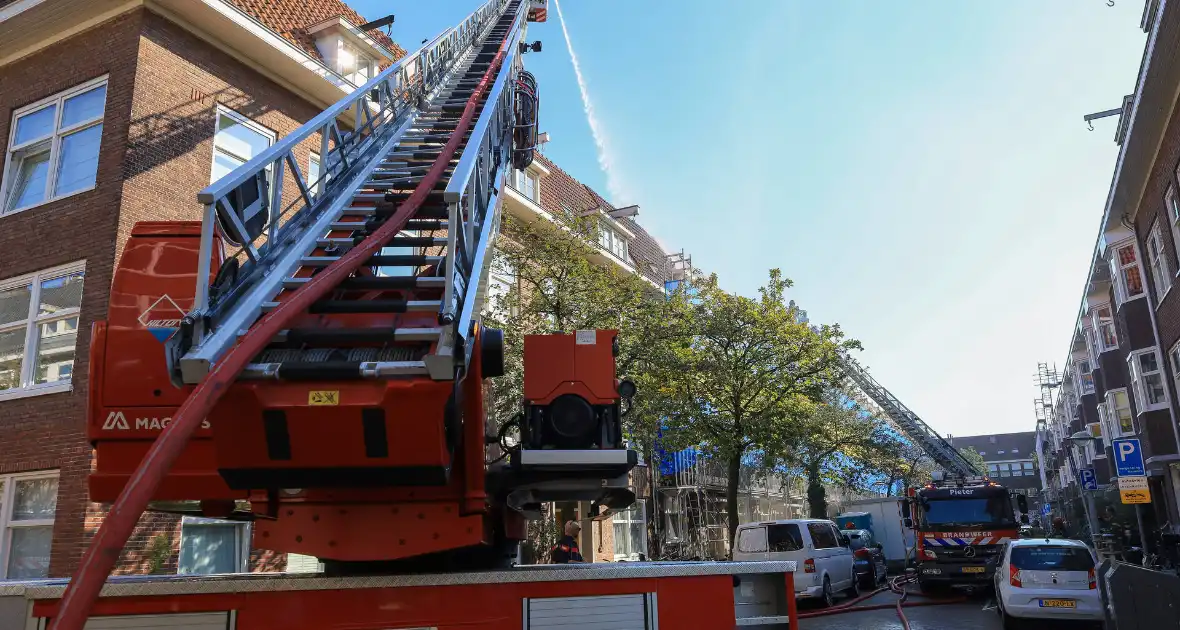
(1011, 460)
(1120, 380)
(113, 112)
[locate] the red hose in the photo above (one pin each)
(897, 586)
(100, 557)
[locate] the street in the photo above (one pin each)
(977, 613)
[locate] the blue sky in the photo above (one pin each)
(920, 169)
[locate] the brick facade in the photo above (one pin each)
(156, 152)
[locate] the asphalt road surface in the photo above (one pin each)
(977, 613)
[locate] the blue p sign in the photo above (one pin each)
(1128, 458)
(1089, 481)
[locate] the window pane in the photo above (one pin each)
(223, 164)
(1133, 280)
(28, 187)
(61, 293)
(55, 350)
(29, 552)
(77, 166)
(14, 304)
(12, 351)
(83, 107)
(36, 499)
(1154, 384)
(208, 549)
(313, 169)
(238, 139)
(1126, 255)
(38, 124)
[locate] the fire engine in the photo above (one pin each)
(961, 524)
(313, 360)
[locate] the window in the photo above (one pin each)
(209, 545)
(823, 536)
(1157, 263)
(752, 540)
(236, 140)
(313, 173)
(784, 537)
(993, 470)
(983, 452)
(28, 503)
(356, 66)
(1104, 325)
(1105, 420)
(1027, 467)
(630, 532)
(612, 241)
(1147, 378)
(1091, 345)
(39, 331)
(1124, 268)
(1085, 376)
(526, 184)
(1015, 450)
(1122, 422)
(1000, 452)
(53, 147)
(1173, 205)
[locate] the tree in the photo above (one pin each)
(753, 371)
(975, 459)
(840, 443)
(559, 284)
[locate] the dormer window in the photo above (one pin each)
(613, 241)
(348, 50)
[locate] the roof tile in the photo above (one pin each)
(291, 18)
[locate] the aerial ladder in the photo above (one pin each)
(908, 422)
(311, 359)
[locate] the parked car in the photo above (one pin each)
(868, 557)
(1043, 578)
(823, 559)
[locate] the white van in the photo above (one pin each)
(823, 558)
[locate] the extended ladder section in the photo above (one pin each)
(410, 307)
(908, 422)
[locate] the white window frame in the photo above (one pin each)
(1139, 380)
(1157, 263)
(1105, 420)
(1118, 269)
(613, 242)
(1172, 203)
(635, 514)
(11, 164)
(1099, 322)
(371, 65)
(1081, 374)
(313, 184)
(32, 325)
(1116, 427)
(1088, 335)
(521, 182)
(7, 503)
(242, 540)
(222, 110)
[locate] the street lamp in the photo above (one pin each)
(1091, 514)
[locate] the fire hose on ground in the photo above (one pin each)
(896, 586)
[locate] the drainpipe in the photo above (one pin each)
(1155, 331)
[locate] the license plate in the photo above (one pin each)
(974, 569)
(1058, 603)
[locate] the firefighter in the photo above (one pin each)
(566, 549)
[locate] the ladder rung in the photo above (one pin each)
(376, 282)
(369, 306)
(333, 370)
(379, 260)
(356, 335)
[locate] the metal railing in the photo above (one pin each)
(915, 429)
(473, 197)
(245, 207)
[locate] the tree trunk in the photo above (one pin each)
(731, 498)
(654, 515)
(817, 501)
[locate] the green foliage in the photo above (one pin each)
(158, 552)
(975, 459)
(752, 374)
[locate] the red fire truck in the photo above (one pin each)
(960, 524)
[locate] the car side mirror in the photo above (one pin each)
(1024, 519)
(879, 546)
(908, 522)
(844, 542)
(1022, 503)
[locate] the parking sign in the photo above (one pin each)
(1089, 480)
(1128, 458)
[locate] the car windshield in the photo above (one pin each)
(995, 510)
(1052, 558)
(855, 539)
